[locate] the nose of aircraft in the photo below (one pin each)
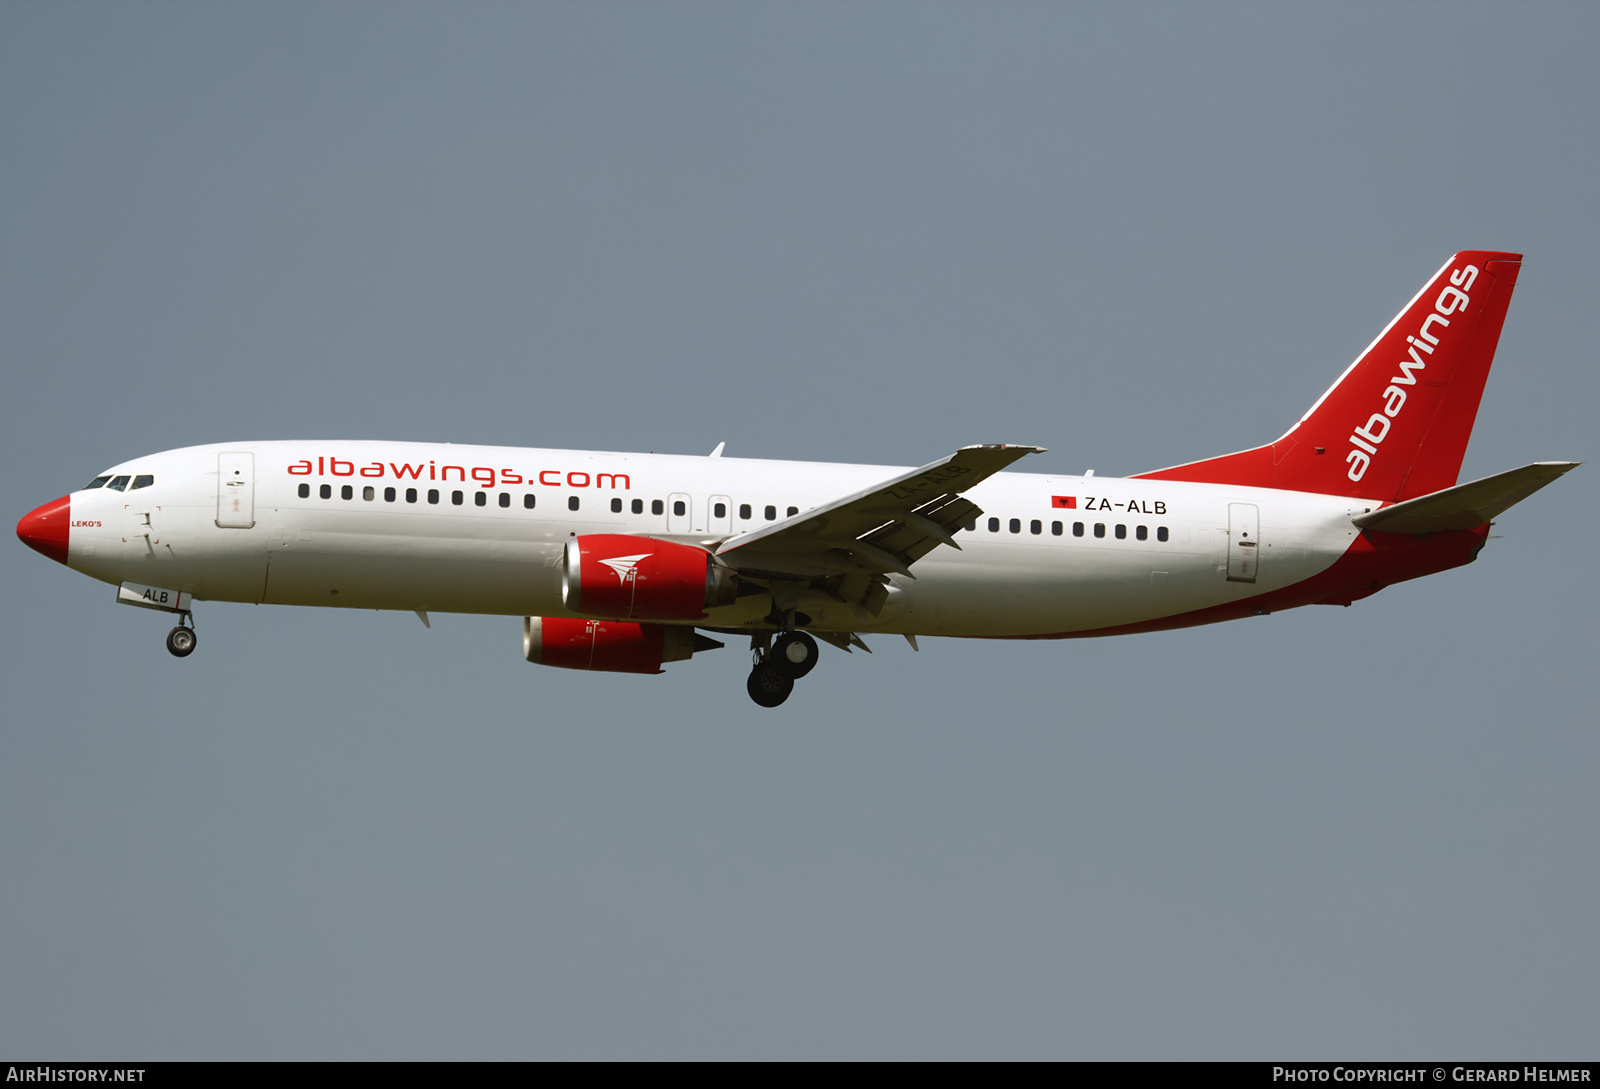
(44, 529)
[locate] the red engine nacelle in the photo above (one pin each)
(638, 578)
(611, 646)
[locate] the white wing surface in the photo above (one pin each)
(883, 529)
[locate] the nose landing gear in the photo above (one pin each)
(182, 640)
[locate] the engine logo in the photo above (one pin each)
(626, 566)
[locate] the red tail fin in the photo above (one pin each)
(1396, 423)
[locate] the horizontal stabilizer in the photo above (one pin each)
(1465, 506)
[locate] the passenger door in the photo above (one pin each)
(1244, 542)
(236, 490)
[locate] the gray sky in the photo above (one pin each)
(1135, 234)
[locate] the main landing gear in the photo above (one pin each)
(792, 655)
(181, 640)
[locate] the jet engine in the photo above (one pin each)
(639, 578)
(609, 646)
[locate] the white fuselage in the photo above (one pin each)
(226, 527)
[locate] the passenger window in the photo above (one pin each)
(369, 493)
(455, 499)
(994, 525)
(616, 506)
(972, 526)
(347, 492)
(793, 511)
(1055, 529)
(1099, 529)
(1122, 532)
(1016, 525)
(678, 508)
(657, 507)
(100, 482)
(388, 495)
(1035, 526)
(638, 506)
(119, 484)
(771, 513)
(572, 502)
(1161, 533)
(719, 510)
(1143, 533)
(1077, 529)
(433, 495)
(480, 498)
(744, 510)
(326, 491)
(143, 480)
(505, 499)
(527, 501)
(411, 495)
(305, 491)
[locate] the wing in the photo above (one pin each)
(884, 529)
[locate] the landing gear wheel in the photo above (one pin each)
(768, 685)
(795, 653)
(181, 641)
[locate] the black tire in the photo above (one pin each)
(795, 653)
(181, 642)
(768, 685)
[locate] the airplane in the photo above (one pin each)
(624, 562)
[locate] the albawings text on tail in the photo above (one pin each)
(1369, 436)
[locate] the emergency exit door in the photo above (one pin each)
(720, 520)
(680, 515)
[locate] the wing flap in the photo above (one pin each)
(1465, 506)
(916, 533)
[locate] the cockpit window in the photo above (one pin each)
(97, 482)
(143, 480)
(119, 484)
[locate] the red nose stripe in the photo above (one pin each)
(45, 529)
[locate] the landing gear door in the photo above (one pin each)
(236, 490)
(1244, 542)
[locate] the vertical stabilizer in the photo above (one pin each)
(1396, 423)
